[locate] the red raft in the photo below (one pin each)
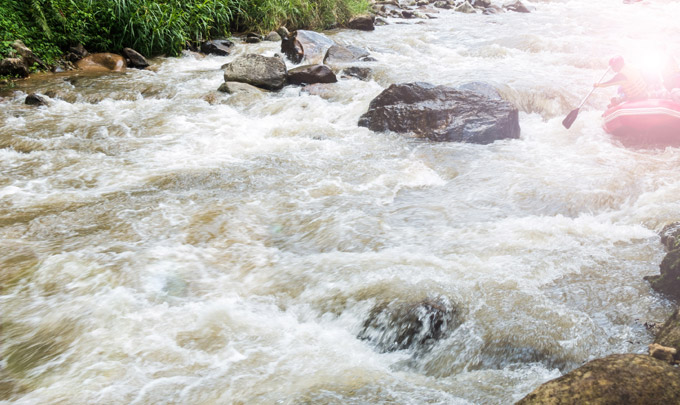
(651, 122)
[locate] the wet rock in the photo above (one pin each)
(36, 100)
(361, 73)
(102, 62)
(219, 47)
(78, 50)
(517, 7)
(252, 38)
(27, 55)
(272, 37)
(669, 335)
(305, 45)
(264, 72)
(413, 326)
(466, 7)
(135, 59)
(237, 87)
(668, 281)
(13, 67)
(380, 22)
(441, 113)
(344, 54)
(670, 236)
(481, 3)
(616, 379)
(311, 74)
(443, 4)
(663, 353)
(362, 22)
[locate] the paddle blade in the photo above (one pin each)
(570, 118)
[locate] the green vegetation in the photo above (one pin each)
(49, 27)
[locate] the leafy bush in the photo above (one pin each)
(49, 27)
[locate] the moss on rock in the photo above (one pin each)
(616, 379)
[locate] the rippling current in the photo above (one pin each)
(163, 243)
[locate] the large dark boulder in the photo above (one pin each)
(260, 71)
(220, 47)
(362, 22)
(305, 45)
(442, 113)
(311, 74)
(135, 59)
(36, 100)
(613, 380)
(668, 281)
(13, 67)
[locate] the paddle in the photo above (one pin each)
(574, 113)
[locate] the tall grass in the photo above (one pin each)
(156, 26)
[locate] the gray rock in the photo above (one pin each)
(361, 73)
(517, 6)
(466, 7)
(272, 37)
(442, 113)
(264, 72)
(135, 59)
(344, 54)
(311, 74)
(238, 87)
(482, 88)
(220, 47)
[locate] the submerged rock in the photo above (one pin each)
(413, 326)
(616, 379)
(261, 71)
(466, 7)
(442, 113)
(361, 73)
(311, 74)
(102, 62)
(135, 59)
(237, 87)
(305, 45)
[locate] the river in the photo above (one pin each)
(163, 243)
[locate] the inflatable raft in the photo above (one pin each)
(645, 122)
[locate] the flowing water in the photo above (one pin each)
(163, 243)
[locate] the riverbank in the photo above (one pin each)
(51, 27)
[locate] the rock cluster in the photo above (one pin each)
(424, 9)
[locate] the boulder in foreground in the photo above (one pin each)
(442, 113)
(267, 73)
(613, 380)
